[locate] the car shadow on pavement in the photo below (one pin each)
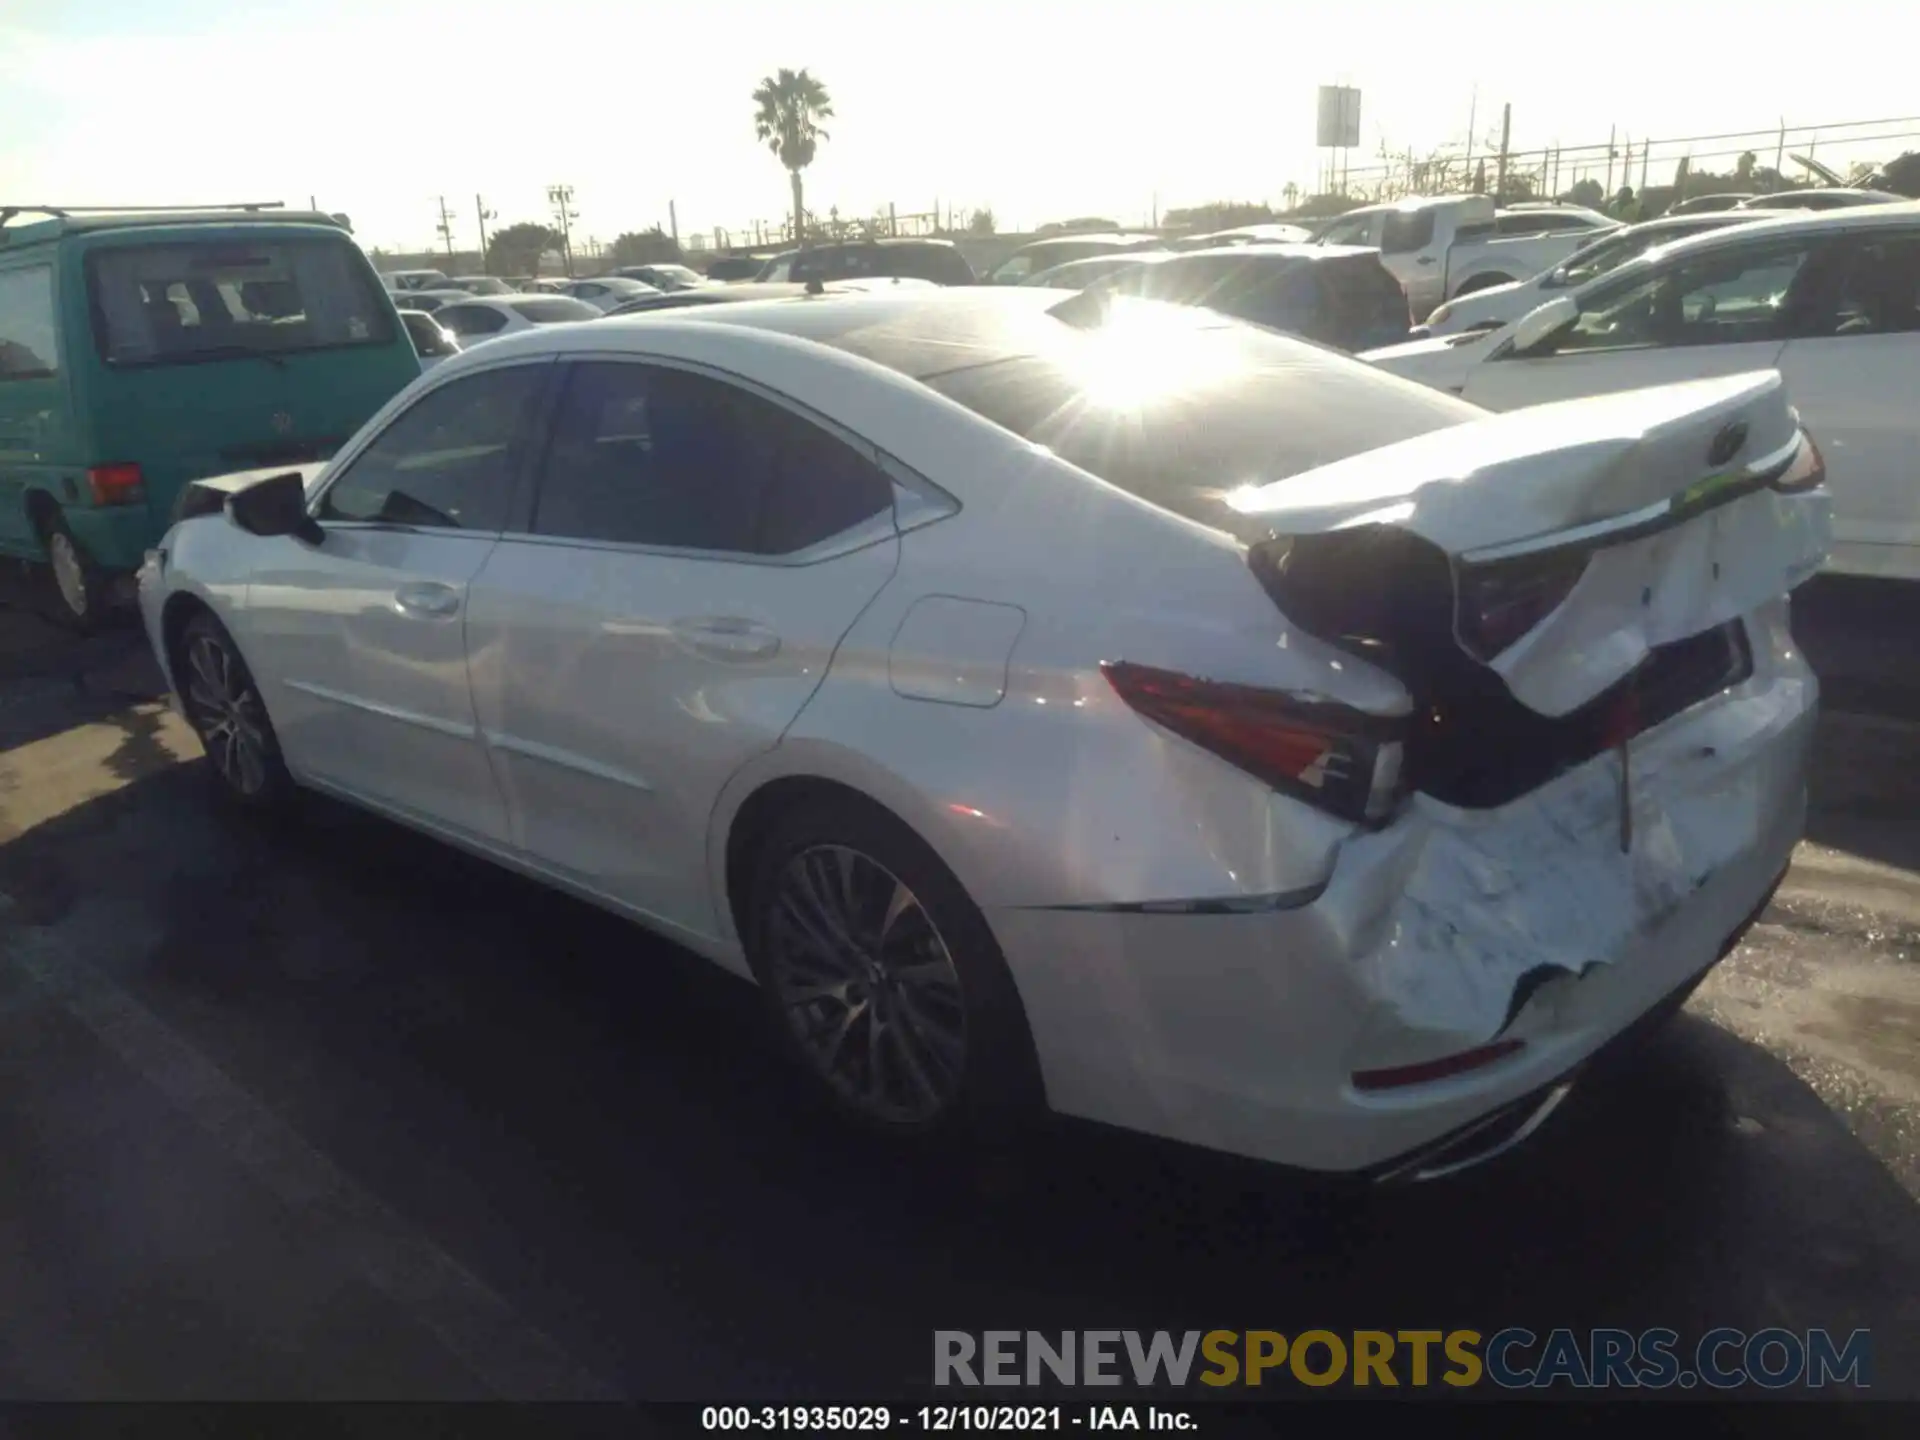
(596, 1124)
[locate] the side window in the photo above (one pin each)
(588, 292)
(446, 462)
(1017, 267)
(652, 456)
(1725, 299)
(1871, 287)
(1356, 231)
(808, 265)
(29, 332)
(465, 320)
(778, 271)
(1406, 231)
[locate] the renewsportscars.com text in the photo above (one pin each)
(1513, 1358)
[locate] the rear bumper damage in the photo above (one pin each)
(1437, 935)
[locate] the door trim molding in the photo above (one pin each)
(434, 723)
(566, 760)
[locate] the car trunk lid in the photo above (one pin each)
(1549, 582)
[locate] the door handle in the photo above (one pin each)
(1426, 260)
(428, 600)
(728, 637)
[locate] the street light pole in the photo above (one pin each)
(561, 198)
(445, 227)
(482, 214)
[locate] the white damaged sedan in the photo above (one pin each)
(1089, 705)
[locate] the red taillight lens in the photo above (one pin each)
(1808, 469)
(1499, 603)
(1397, 1076)
(1339, 759)
(116, 484)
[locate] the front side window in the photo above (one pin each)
(1724, 299)
(29, 330)
(653, 456)
(1357, 230)
(446, 462)
(1406, 231)
(183, 301)
(778, 272)
(1017, 267)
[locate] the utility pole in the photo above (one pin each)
(1473, 116)
(673, 223)
(483, 215)
(1506, 134)
(561, 198)
(445, 227)
(1612, 130)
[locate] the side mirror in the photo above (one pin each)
(276, 506)
(1537, 327)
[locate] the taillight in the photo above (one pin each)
(1336, 758)
(1807, 470)
(1397, 1076)
(1500, 602)
(116, 484)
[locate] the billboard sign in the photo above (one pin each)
(1339, 125)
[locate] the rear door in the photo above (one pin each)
(1415, 256)
(360, 641)
(1721, 313)
(37, 439)
(694, 554)
(1854, 371)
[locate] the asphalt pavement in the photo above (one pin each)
(325, 1110)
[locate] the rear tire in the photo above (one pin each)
(224, 705)
(883, 980)
(81, 589)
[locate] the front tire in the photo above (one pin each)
(224, 705)
(883, 979)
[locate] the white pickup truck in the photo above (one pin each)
(1450, 245)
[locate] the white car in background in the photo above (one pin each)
(1449, 245)
(487, 317)
(1055, 705)
(1498, 305)
(608, 292)
(1831, 300)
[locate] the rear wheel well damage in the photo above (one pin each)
(175, 616)
(755, 820)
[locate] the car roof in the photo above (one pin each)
(916, 332)
(1090, 237)
(1783, 224)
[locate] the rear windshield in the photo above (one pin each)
(552, 310)
(1179, 412)
(178, 302)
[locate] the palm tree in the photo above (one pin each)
(788, 108)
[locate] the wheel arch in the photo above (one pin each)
(1485, 280)
(175, 614)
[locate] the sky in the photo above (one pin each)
(1038, 110)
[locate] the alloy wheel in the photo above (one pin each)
(864, 980)
(228, 713)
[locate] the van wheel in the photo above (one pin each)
(79, 586)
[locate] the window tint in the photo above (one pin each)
(1365, 306)
(1528, 222)
(29, 341)
(464, 320)
(429, 339)
(652, 456)
(1866, 287)
(448, 460)
(1406, 230)
(1722, 299)
(154, 304)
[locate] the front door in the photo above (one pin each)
(697, 552)
(1721, 313)
(360, 641)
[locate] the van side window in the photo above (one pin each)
(29, 332)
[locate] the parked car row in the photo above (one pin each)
(1830, 300)
(867, 643)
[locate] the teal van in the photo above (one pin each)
(141, 351)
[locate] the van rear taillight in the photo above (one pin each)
(116, 485)
(1333, 757)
